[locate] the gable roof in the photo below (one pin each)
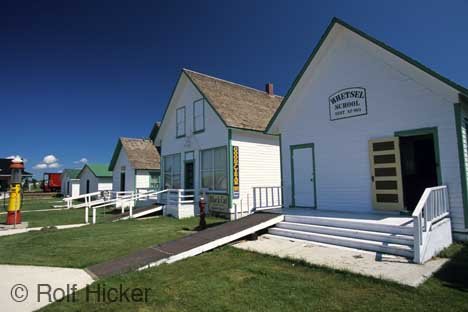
(72, 173)
(141, 153)
(389, 49)
(236, 105)
(99, 170)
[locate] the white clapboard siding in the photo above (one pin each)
(259, 164)
(95, 184)
(142, 179)
(122, 160)
(399, 97)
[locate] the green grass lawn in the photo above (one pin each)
(84, 246)
(229, 279)
(55, 216)
(59, 217)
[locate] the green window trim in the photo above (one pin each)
(435, 136)
(230, 164)
(180, 135)
(281, 170)
(172, 174)
(226, 168)
(202, 129)
(291, 150)
(461, 159)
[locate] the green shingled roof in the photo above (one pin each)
(72, 173)
(99, 170)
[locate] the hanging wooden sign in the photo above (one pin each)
(235, 172)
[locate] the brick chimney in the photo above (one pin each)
(269, 88)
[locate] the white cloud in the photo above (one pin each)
(49, 159)
(81, 161)
(10, 157)
(54, 165)
(40, 166)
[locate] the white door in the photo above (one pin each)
(75, 189)
(303, 175)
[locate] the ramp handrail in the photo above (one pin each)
(267, 197)
(130, 198)
(86, 197)
(432, 207)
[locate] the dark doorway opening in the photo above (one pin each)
(122, 181)
(418, 167)
(87, 186)
(189, 175)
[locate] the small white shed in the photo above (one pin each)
(365, 129)
(70, 182)
(135, 165)
(94, 178)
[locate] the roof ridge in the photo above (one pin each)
(135, 139)
(230, 82)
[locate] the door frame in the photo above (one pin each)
(314, 173)
(193, 168)
(435, 138)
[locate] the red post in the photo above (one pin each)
(201, 205)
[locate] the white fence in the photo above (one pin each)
(268, 197)
(431, 208)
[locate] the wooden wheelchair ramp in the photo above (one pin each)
(185, 247)
(138, 212)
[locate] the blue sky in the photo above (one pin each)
(76, 75)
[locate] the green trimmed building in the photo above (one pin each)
(95, 178)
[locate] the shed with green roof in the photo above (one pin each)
(95, 178)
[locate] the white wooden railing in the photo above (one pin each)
(85, 200)
(431, 208)
(123, 200)
(128, 199)
(267, 197)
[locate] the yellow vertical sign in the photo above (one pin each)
(235, 172)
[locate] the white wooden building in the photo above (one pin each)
(95, 178)
(366, 129)
(212, 138)
(70, 182)
(135, 165)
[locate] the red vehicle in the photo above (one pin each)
(52, 182)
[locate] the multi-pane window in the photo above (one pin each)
(199, 115)
(172, 171)
(213, 169)
(180, 120)
(154, 180)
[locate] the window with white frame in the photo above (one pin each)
(199, 115)
(171, 165)
(214, 169)
(180, 120)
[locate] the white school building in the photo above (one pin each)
(212, 140)
(366, 129)
(135, 165)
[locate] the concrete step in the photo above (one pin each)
(393, 249)
(359, 234)
(350, 224)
